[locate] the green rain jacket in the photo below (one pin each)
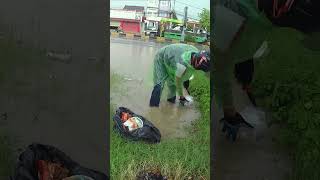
(236, 39)
(166, 63)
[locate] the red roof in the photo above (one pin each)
(127, 20)
(134, 8)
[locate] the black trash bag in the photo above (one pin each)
(25, 168)
(148, 133)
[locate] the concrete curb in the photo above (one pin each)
(156, 39)
(114, 34)
(161, 39)
(129, 36)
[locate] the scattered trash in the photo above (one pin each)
(43, 162)
(138, 128)
(62, 57)
(190, 99)
(151, 175)
(130, 79)
(133, 123)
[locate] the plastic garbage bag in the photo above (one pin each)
(26, 166)
(148, 132)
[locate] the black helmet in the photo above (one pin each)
(202, 61)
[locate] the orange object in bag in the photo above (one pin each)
(125, 116)
(51, 171)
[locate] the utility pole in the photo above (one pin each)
(159, 8)
(184, 23)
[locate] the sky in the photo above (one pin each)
(193, 8)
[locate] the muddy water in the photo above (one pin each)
(254, 155)
(133, 61)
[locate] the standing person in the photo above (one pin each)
(175, 64)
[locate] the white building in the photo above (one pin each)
(161, 8)
(152, 8)
(164, 8)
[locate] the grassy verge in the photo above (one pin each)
(287, 83)
(176, 158)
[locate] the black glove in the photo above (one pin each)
(183, 101)
(231, 125)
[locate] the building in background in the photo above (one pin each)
(129, 19)
(164, 8)
(138, 9)
(152, 9)
(152, 19)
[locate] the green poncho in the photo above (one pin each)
(165, 66)
(250, 36)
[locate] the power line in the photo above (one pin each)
(182, 14)
(189, 5)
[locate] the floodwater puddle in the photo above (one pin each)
(131, 86)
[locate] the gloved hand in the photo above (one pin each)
(183, 101)
(231, 125)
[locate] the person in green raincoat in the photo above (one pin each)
(175, 64)
(240, 34)
(241, 38)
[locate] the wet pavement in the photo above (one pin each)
(132, 61)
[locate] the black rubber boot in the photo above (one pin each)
(155, 96)
(172, 100)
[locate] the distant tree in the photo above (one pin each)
(189, 27)
(205, 19)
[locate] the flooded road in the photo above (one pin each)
(131, 64)
(254, 155)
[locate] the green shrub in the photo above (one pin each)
(287, 82)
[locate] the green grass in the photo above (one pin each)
(177, 158)
(287, 83)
